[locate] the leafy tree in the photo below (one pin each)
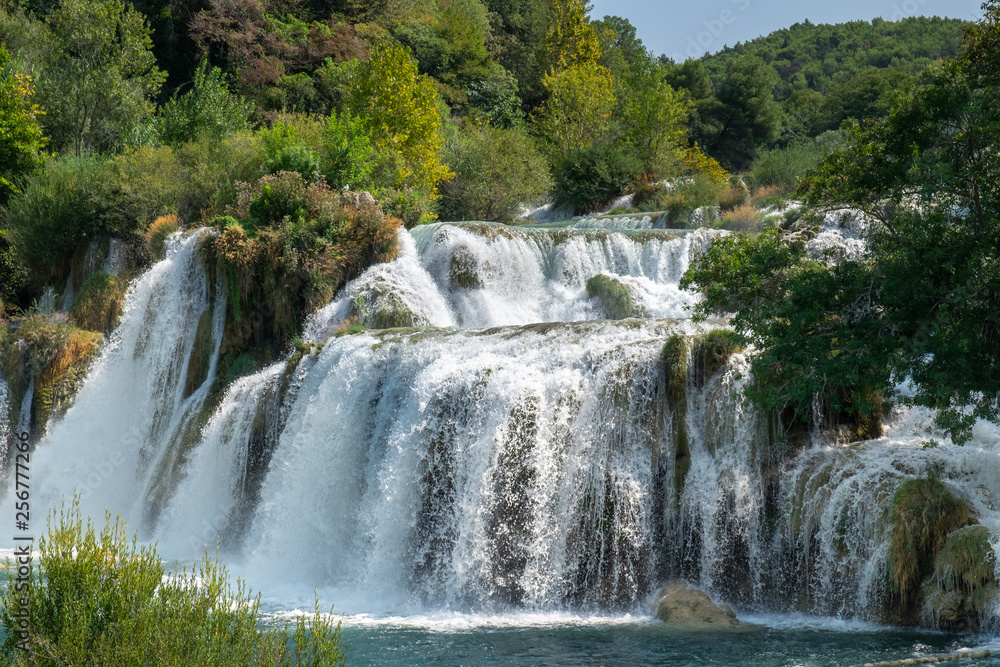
(921, 303)
(348, 156)
(571, 39)
(398, 109)
(21, 139)
(578, 111)
(518, 27)
(97, 86)
(495, 98)
(496, 171)
(654, 117)
(590, 178)
(207, 110)
(747, 114)
(693, 78)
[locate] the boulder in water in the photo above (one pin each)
(681, 605)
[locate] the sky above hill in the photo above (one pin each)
(688, 28)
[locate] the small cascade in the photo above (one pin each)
(117, 443)
(23, 424)
(6, 423)
(223, 475)
(496, 276)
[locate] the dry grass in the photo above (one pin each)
(765, 195)
(744, 218)
(157, 233)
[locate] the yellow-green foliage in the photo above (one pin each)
(98, 306)
(697, 163)
(398, 108)
(577, 113)
(614, 295)
(58, 356)
(157, 233)
(923, 513)
(101, 599)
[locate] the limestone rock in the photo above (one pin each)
(682, 605)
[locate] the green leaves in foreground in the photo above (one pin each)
(100, 599)
(811, 324)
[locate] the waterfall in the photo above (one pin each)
(6, 423)
(491, 441)
(117, 442)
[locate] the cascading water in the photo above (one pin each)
(118, 442)
(499, 445)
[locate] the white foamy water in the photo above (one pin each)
(116, 439)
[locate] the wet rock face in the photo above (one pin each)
(684, 606)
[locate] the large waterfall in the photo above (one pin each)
(492, 441)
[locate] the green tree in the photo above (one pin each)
(654, 117)
(21, 139)
(347, 154)
(747, 115)
(578, 111)
(208, 109)
(398, 109)
(571, 39)
(98, 84)
(496, 171)
(921, 303)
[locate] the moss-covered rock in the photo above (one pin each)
(464, 269)
(378, 306)
(684, 606)
(53, 354)
(675, 365)
(712, 352)
(963, 586)
(615, 296)
(923, 513)
(99, 304)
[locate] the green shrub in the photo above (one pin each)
(496, 170)
(685, 196)
(347, 154)
(101, 599)
(286, 248)
(214, 168)
(208, 110)
(591, 178)
(785, 166)
(62, 205)
(411, 205)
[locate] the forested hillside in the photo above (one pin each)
(131, 120)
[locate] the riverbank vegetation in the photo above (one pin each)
(98, 597)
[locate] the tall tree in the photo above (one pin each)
(747, 115)
(397, 107)
(21, 139)
(98, 85)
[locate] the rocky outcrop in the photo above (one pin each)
(682, 605)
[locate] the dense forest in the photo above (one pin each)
(262, 118)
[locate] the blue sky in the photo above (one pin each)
(689, 28)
